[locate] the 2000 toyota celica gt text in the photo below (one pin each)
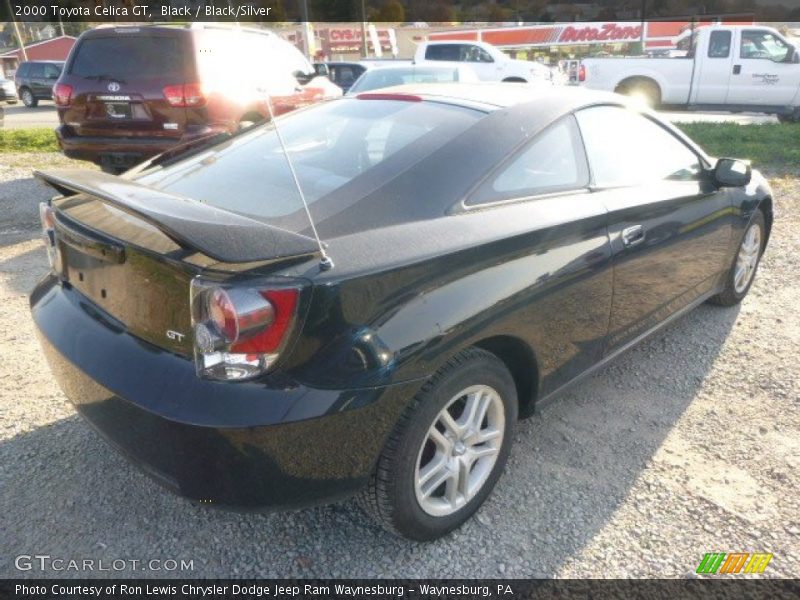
(484, 247)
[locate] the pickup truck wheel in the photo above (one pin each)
(448, 449)
(28, 98)
(642, 88)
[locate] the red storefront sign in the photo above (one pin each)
(605, 32)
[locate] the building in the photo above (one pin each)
(56, 48)
(554, 42)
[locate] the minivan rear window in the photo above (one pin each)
(139, 56)
(337, 148)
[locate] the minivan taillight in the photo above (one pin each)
(62, 94)
(240, 329)
(582, 73)
(185, 95)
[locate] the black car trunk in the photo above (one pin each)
(132, 251)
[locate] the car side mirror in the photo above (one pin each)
(303, 78)
(730, 172)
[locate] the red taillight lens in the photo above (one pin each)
(62, 94)
(186, 95)
(582, 73)
(193, 94)
(270, 337)
(239, 331)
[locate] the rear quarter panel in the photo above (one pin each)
(402, 300)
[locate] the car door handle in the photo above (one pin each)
(632, 236)
(737, 69)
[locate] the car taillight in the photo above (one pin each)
(240, 330)
(47, 216)
(62, 94)
(185, 95)
(582, 73)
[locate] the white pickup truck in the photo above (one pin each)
(488, 62)
(731, 68)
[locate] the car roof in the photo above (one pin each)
(54, 62)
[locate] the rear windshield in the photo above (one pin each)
(338, 147)
(122, 57)
(381, 78)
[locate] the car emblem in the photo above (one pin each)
(113, 86)
(175, 335)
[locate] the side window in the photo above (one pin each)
(625, 148)
(719, 44)
(51, 71)
(23, 70)
(763, 44)
(471, 53)
(443, 52)
(552, 162)
(37, 70)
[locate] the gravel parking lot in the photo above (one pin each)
(688, 444)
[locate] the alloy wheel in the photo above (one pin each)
(459, 450)
(747, 259)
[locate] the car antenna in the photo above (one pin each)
(325, 263)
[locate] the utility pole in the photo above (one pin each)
(16, 30)
(364, 52)
(644, 10)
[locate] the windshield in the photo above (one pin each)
(120, 57)
(345, 148)
(383, 78)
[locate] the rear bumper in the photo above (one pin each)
(262, 444)
(126, 151)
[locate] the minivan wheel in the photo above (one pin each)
(448, 450)
(28, 99)
(745, 264)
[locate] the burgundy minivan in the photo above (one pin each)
(128, 93)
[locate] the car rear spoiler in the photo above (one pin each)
(217, 233)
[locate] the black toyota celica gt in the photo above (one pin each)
(483, 247)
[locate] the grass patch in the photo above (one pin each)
(765, 143)
(28, 140)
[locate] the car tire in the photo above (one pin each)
(745, 263)
(427, 484)
(28, 99)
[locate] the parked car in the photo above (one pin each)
(34, 80)
(731, 67)
(8, 91)
(129, 93)
(489, 62)
(485, 246)
(343, 74)
(385, 77)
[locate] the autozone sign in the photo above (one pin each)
(611, 32)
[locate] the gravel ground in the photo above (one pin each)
(688, 444)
